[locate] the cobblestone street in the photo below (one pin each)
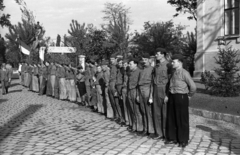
(34, 125)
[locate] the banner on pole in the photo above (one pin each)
(24, 47)
(61, 50)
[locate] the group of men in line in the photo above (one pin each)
(6, 73)
(152, 100)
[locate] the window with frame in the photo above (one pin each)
(231, 17)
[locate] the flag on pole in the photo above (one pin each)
(41, 53)
(25, 49)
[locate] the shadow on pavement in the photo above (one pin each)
(2, 100)
(223, 137)
(17, 120)
(14, 91)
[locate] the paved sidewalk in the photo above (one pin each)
(36, 125)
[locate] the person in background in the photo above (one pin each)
(62, 82)
(99, 84)
(23, 72)
(87, 82)
(9, 74)
(112, 89)
(35, 84)
(181, 89)
(80, 77)
(56, 85)
(72, 82)
(124, 93)
(119, 86)
(49, 85)
(53, 77)
(106, 77)
(20, 72)
(30, 73)
(4, 79)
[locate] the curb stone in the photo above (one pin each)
(215, 115)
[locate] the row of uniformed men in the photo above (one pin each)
(53, 79)
(149, 100)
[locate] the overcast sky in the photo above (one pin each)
(56, 15)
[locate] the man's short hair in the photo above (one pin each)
(162, 50)
(135, 60)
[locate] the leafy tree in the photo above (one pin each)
(2, 50)
(26, 32)
(185, 6)
(117, 28)
(4, 18)
(78, 37)
(112, 12)
(227, 81)
(161, 34)
(99, 44)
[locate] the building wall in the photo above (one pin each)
(210, 26)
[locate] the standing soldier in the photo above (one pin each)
(112, 83)
(181, 88)
(4, 78)
(22, 73)
(133, 97)
(106, 77)
(30, 74)
(119, 86)
(145, 95)
(40, 74)
(35, 84)
(87, 82)
(9, 74)
(161, 77)
(99, 82)
(53, 77)
(56, 86)
(43, 78)
(124, 93)
(49, 85)
(72, 82)
(62, 82)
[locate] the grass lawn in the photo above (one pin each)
(202, 100)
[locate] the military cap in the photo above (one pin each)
(119, 59)
(135, 60)
(179, 57)
(146, 55)
(162, 50)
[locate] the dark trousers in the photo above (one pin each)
(178, 118)
(43, 86)
(5, 85)
(119, 103)
(146, 109)
(159, 112)
(111, 92)
(125, 106)
(88, 91)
